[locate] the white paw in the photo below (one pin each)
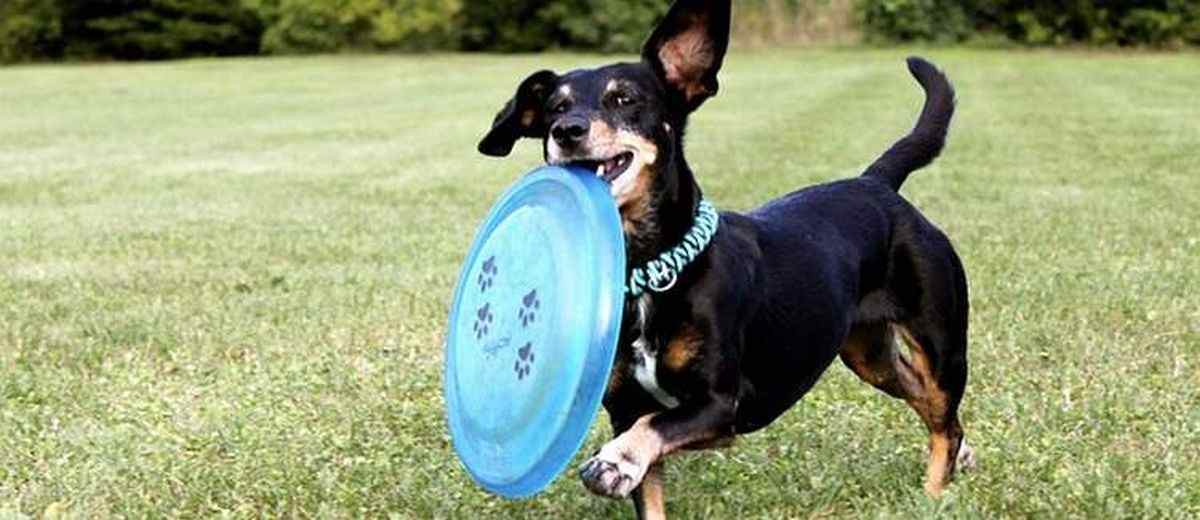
(612, 472)
(966, 457)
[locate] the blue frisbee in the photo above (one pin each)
(533, 329)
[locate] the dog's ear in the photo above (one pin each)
(687, 47)
(521, 116)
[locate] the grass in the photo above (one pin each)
(223, 284)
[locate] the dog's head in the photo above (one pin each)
(623, 121)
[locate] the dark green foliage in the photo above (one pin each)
(1122, 22)
(914, 20)
(1159, 23)
(125, 29)
(29, 29)
(527, 25)
(157, 29)
(330, 25)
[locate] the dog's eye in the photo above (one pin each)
(621, 99)
(559, 107)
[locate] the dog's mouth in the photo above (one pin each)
(607, 169)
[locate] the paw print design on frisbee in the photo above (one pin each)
(483, 318)
(524, 362)
(487, 276)
(529, 306)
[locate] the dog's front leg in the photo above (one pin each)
(648, 500)
(622, 463)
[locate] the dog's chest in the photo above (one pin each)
(645, 356)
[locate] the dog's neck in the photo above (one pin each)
(672, 204)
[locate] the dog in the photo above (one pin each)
(744, 330)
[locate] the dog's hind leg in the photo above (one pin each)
(928, 282)
(931, 384)
(937, 388)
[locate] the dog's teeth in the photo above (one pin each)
(600, 170)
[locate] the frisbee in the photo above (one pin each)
(533, 329)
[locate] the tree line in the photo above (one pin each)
(33, 30)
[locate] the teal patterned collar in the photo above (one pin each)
(659, 274)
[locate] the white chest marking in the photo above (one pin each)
(645, 362)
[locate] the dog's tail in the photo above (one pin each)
(917, 149)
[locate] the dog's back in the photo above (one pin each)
(841, 254)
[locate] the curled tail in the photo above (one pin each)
(917, 149)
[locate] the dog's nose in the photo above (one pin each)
(569, 131)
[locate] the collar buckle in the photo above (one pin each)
(662, 277)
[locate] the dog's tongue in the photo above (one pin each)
(612, 164)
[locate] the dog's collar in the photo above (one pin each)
(659, 274)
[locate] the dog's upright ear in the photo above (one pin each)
(521, 117)
(687, 47)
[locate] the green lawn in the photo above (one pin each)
(223, 284)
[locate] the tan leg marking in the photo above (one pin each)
(653, 504)
(872, 353)
(937, 473)
(926, 398)
(931, 403)
(682, 348)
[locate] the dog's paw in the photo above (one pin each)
(966, 458)
(613, 477)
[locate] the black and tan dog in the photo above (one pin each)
(847, 268)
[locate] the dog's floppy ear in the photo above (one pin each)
(521, 116)
(687, 47)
